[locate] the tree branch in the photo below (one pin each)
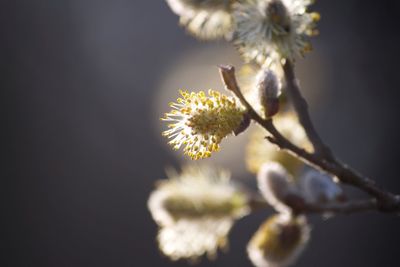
(301, 107)
(385, 201)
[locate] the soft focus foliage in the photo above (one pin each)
(205, 19)
(192, 238)
(195, 211)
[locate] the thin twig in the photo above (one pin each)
(350, 207)
(386, 201)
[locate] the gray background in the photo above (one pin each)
(78, 81)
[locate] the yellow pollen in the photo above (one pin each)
(202, 121)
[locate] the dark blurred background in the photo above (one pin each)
(82, 152)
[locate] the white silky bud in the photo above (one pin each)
(269, 90)
(317, 187)
(277, 186)
(279, 241)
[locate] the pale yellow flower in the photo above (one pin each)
(195, 211)
(192, 238)
(269, 31)
(200, 122)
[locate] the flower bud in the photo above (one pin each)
(277, 187)
(317, 187)
(279, 241)
(269, 89)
